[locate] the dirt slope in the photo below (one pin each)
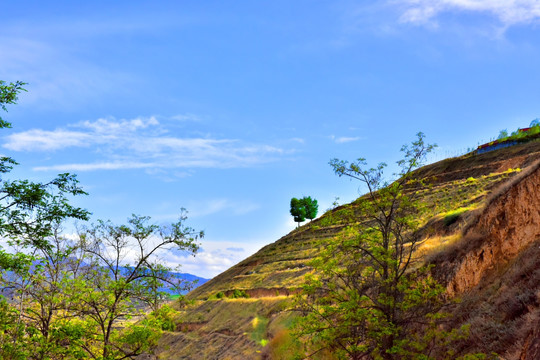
(488, 255)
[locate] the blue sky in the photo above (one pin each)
(230, 108)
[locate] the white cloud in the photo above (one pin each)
(39, 140)
(508, 12)
(344, 139)
(214, 257)
(111, 126)
(140, 143)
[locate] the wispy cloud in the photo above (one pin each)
(298, 140)
(508, 12)
(186, 117)
(344, 139)
(140, 143)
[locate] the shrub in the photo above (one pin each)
(327, 220)
(238, 294)
(163, 318)
(345, 216)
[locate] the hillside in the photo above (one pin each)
(482, 232)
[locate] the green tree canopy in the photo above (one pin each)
(298, 210)
(30, 214)
(304, 208)
(30, 211)
(364, 301)
(311, 206)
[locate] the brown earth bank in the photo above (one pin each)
(493, 267)
(508, 223)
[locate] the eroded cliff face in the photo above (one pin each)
(495, 271)
(507, 225)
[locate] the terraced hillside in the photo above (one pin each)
(243, 312)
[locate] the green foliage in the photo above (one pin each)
(77, 299)
(11, 330)
(344, 215)
(30, 214)
(452, 216)
(327, 219)
(30, 210)
(259, 330)
(9, 95)
(239, 294)
(298, 211)
(111, 288)
(163, 318)
(518, 135)
(503, 134)
(364, 302)
(311, 206)
(220, 295)
(303, 208)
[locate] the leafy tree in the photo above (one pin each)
(366, 302)
(113, 290)
(29, 214)
(75, 300)
(43, 292)
(29, 211)
(298, 210)
(303, 208)
(9, 95)
(311, 207)
(535, 122)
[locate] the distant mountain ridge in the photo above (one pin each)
(196, 282)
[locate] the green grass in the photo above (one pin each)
(452, 216)
(451, 187)
(454, 187)
(259, 330)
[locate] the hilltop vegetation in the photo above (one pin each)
(456, 193)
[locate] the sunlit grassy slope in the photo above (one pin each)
(453, 187)
(220, 324)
